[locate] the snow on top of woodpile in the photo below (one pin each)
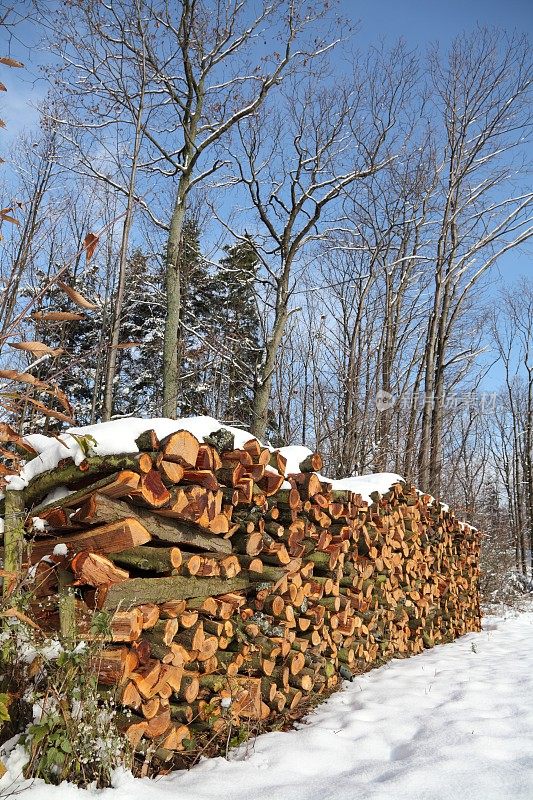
(365, 485)
(111, 438)
(118, 436)
(294, 454)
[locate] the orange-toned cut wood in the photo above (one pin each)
(171, 472)
(111, 538)
(92, 569)
(181, 447)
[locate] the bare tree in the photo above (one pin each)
(299, 160)
(513, 334)
(207, 69)
(481, 211)
(107, 408)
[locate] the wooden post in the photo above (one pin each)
(67, 607)
(13, 538)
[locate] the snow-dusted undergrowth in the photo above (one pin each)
(453, 722)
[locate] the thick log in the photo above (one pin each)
(93, 569)
(171, 473)
(149, 559)
(160, 590)
(147, 441)
(182, 448)
(118, 483)
(77, 476)
(126, 626)
(313, 463)
(100, 508)
(112, 538)
(151, 491)
(114, 666)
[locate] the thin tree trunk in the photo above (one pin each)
(173, 291)
(111, 365)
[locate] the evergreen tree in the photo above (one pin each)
(140, 363)
(236, 279)
(200, 328)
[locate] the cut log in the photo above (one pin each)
(151, 491)
(150, 559)
(147, 441)
(92, 569)
(100, 508)
(114, 666)
(78, 476)
(171, 473)
(126, 626)
(161, 590)
(182, 448)
(312, 463)
(112, 538)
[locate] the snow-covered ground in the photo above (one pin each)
(455, 722)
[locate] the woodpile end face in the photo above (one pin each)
(235, 592)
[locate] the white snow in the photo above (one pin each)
(294, 455)
(453, 722)
(113, 437)
(56, 494)
(39, 524)
(366, 484)
(60, 549)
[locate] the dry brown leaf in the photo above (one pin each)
(89, 243)
(24, 377)
(14, 612)
(10, 62)
(7, 434)
(8, 218)
(76, 297)
(5, 215)
(126, 345)
(2, 123)
(3, 87)
(6, 470)
(56, 316)
(37, 348)
(9, 455)
(48, 412)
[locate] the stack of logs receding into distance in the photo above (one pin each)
(229, 591)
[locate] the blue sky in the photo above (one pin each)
(422, 21)
(419, 22)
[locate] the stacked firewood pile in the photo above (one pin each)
(232, 591)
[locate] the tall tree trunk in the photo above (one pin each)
(111, 365)
(264, 381)
(173, 291)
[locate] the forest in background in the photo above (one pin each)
(293, 236)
